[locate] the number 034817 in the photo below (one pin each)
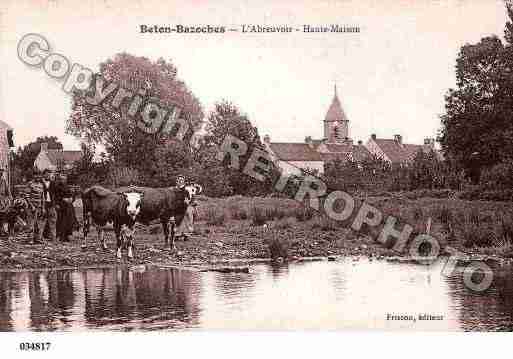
(35, 346)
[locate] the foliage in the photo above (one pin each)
(476, 127)
(227, 119)
(498, 177)
(113, 127)
(123, 176)
(86, 172)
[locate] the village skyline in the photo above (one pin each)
(389, 79)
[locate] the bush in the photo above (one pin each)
(260, 215)
(123, 176)
(278, 247)
(476, 236)
(304, 213)
(215, 216)
(497, 177)
(238, 212)
(325, 224)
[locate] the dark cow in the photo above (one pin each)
(164, 203)
(121, 208)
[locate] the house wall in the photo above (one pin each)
(294, 167)
(374, 149)
(4, 153)
(42, 162)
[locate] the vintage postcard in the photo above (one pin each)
(255, 166)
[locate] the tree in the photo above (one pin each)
(114, 127)
(23, 159)
(226, 119)
(476, 127)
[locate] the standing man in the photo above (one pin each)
(66, 219)
(48, 205)
(5, 198)
(187, 226)
(4, 191)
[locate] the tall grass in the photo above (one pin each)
(215, 216)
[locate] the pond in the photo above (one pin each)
(346, 294)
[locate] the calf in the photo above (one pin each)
(101, 206)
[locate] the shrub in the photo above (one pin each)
(278, 247)
(476, 236)
(215, 216)
(304, 213)
(325, 224)
(123, 176)
(238, 213)
(259, 215)
(285, 223)
(497, 177)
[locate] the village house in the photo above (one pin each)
(397, 153)
(55, 159)
(313, 154)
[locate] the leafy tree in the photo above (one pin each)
(226, 119)
(114, 127)
(477, 126)
(86, 172)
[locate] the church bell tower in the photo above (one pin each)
(336, 124)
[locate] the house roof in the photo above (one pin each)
(68, 157)
(295, 152)
(335, 111)
(303, 152)
(401, 153)
(360, 153)
(5, 126)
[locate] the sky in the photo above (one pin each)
(391, 77)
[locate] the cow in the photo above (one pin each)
(163, 204)
(102, 206)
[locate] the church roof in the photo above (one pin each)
(335, 112)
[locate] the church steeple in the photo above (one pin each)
(336, 124)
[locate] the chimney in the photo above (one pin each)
(373, 136)
(308, 141)
(398, 139)
(44, 146)
(360, 142)
(267, 139)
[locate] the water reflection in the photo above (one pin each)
(352, 294)
(108, 299)
(488, 310)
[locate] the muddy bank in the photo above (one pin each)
(231, 231)
(211, 247)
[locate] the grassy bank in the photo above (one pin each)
(256, 228)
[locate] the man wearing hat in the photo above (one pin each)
(187, 225)
(5, 198)
(4, 190)
(48, 205)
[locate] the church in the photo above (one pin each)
(313, 154)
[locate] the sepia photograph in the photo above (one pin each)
(267, 167)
